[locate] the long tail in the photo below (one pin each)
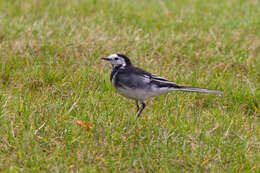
(166, 86)
(194, 89)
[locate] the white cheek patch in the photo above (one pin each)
(122, 62)
(116, 60)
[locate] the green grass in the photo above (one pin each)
(51, 73)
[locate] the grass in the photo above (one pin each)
(51, 73)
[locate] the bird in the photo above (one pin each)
(137, 84)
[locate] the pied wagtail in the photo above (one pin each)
(139, 85)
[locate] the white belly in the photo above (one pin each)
(140, 94)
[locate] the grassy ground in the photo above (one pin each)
(50, 74)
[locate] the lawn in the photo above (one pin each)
(60, 113)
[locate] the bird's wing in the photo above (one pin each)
(132, 80)
(162, 82)
(149, 78)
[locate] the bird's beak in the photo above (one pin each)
(107, 59)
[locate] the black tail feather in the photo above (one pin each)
(194, 89)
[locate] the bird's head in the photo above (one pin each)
(118, 60)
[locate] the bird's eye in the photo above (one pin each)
(116, 58)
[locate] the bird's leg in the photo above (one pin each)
(137, 105)
(143, 106)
